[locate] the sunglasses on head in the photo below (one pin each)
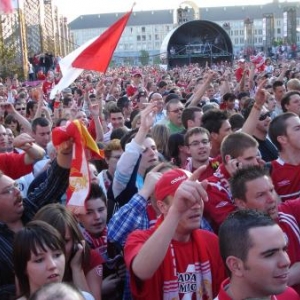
(264, 116)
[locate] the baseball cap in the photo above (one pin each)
(136, 73)
(168, 184)
(242, 60)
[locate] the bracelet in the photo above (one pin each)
(256, 106)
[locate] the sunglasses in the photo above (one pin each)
(264, 116)
(23, 108)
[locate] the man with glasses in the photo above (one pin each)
(174, 110)
(15, 211)
(20, 108)
(197, 140)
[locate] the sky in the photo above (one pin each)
(74, 8)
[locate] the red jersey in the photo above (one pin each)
(289, 222)
(220, 203)
(188, 269)
(286, 179)
(288, 294)
(131, 90)
(212, 166)
(13, 165)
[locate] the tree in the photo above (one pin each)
(144, 57)
(9, 64)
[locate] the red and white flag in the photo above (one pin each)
(93, 55)
(6, 6)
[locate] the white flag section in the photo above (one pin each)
(69, 73)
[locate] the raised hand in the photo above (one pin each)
(190, 192)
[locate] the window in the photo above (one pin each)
(241, 40)
(143, 38)
(278, 31)
(241, 32)
(260, 40)
(138, 38)
(149, 37)
(260, 31)
(143, 29)
(157, 37)
(236, 40)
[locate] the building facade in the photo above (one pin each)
(250, 27)
(34, 27)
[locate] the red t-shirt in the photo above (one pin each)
(189, 270)
(289, 222)
(288, 294)
(220, 203)
(95, 261)
(13, 165)
(286, 179)
(131, 90)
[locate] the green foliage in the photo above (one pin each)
(144, 57)
(10, 63)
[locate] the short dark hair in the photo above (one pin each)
(118, 133)
(161, 84)
(236, 121)
(213, 119)
(189, 114)
(240, 178)
(175, 141)
(96, 192)
(278, 127)
(195, 130)
(35, 235)
(234, 238)
(40, 121)
(123, 102)
(236, 143)
(229, 96)
(30, 105)
(115, 110)
(286, 99)
(276, 84)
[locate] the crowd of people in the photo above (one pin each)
(197, 196)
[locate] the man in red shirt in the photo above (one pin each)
(238, 150)
(254, 249)
(252, 188)
(132, 90)
(284, 131)
(175, 259)
(16, 165)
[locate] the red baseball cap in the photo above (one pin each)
(168, 184)
(137, 73)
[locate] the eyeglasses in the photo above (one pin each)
(176, 111)
(22, 108)
(264, 116)
(10, 190)
(197, 143)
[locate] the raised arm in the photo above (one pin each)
(33, 152)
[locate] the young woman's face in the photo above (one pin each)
(45, 267)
